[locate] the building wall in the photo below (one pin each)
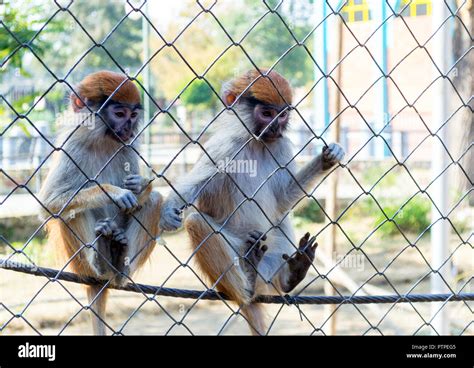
(410, 72)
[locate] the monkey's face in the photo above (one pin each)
(270, 122)
(122, 120)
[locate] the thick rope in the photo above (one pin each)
(54, 275)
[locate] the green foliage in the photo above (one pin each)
(124, 44)
(310, 211)
(205, 47)
(373, 173)
(22, 27)
(198, 94)
(62, 41)
(20, 105)
(270, 41)
(412, 218)
(6, 231)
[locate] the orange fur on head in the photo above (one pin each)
(271, 88)
(98, 86)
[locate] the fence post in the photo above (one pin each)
(332, 181)
(381, 107)
(442, 50)
(321, 94)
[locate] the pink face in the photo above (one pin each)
(270, 121)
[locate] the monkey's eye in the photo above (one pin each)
(134, 114)
(119, 114)
(267, 113)
(283, 114)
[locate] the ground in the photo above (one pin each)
(52, 308)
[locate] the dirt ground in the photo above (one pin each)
(49, 308)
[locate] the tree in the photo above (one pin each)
(205, 45)
(20, 27)
(97, 20)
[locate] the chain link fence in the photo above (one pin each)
(366, 279)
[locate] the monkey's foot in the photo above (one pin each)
(332, 154)
(135, 183)
(119, 256)
(102, 255)
(300, 262)
(105, 227)
(111, 249)
(253, 254)
(109, 229)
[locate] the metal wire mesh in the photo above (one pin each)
(154, 294)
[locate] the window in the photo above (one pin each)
(414, 8)
(356, 11)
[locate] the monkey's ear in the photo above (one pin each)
(229, 98)
(76, 102)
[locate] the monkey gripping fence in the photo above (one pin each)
(151, 293)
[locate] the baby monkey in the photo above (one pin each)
(241, 233)
(102, 215)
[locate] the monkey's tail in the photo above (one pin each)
(97, 296)
(254, 313)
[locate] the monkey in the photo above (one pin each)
(101, 214)
(240, 232)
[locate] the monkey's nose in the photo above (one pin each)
(274, 128)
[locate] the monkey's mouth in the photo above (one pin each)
(126, 137)
(271, 133)
(121, 136)
(270, 137)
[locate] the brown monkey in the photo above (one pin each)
(237, 211)
(104, 213)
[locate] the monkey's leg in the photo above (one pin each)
(218, 256)
(97, 297)
(253, 255)
(110, 247)
(142, 232)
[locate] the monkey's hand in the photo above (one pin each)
(170, 218)
(135, 183)
(332, 155)
(300, 262)
(126, 201)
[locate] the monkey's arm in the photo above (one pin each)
(89, 198)
(187, 191)
(305, 178)
(176, 200)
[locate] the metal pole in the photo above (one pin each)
(332, 181)
(321, 120)
(320, 95)
(442, 51)
(146, 80)
(381, 107)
